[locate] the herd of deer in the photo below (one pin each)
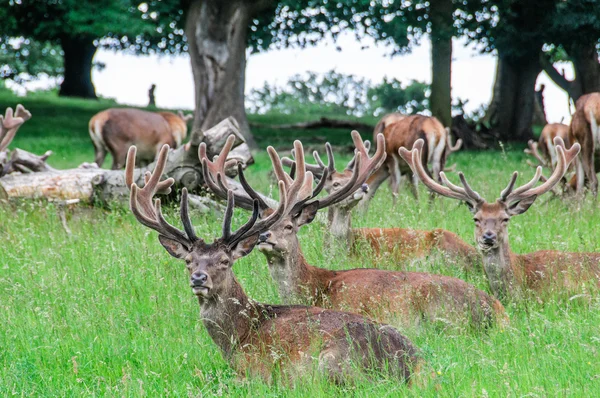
(344, 326)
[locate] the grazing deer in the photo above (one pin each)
(404, 132)
(508, 273)
(544, 151)
(116, 129)
(255, 338)
(585, 131)
(403, 243)
(387, 296)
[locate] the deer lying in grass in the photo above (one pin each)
(585, 130)
(404, 244)
(508, 273)
(114, 130)
(403, 132)
(392, 297)
(255, 338)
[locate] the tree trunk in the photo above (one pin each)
(510, 113)
(587, 67)
(79, 53)
(440, 99)
(216, 31)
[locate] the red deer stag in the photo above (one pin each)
(392, 297)
(404, 132)
(116, 129)
(404, 244)
(250, 334)
(585, 131)
(510, 274)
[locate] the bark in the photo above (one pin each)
(510, 113)
(321, 123)
(79, 53)
(94, 185)
(216, 31)
(441, 60)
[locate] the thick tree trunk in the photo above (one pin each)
(441, 60)
(79, 53)
(216, 31)
(510, 113)
(587, 67)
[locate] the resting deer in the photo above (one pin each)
(404, 132)
(403, 244)
(387, 296)
(115, 130)
(257, 338)
(508, 273)
(585, 130)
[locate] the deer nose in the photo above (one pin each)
(264, 236)
(489, 237)
(199, 278)
(365, 188)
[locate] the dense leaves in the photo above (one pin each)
(22, 60)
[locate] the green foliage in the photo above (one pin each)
(106, 311)
(23, 60)
(336, 93)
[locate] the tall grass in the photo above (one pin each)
(106, 311)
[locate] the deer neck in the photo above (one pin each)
(500, 268)
(340, 224)
(296, 278)
(229, 317)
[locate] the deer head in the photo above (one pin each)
(209, 264)
(491, 219)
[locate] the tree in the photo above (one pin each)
(23, 60)
(573, 35)
(80, 27)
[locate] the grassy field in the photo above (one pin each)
(106, 311)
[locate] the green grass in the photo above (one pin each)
(106, 311)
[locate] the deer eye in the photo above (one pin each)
(224, 261)
(289, 227)
(505, 220)
(336, 184)
(477, 221)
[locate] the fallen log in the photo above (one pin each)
(323, 122)
(95, 185)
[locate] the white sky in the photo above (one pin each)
(127, 77)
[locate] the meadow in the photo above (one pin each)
(105, 311)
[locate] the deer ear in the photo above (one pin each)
(244, 247)
(307, 214)
(174, 248)
(521, 206)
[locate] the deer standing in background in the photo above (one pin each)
(115, 130)
(585, 130)
(403, 132)
(508, 273)
(391, 297)
(258, 338)
(404, 244)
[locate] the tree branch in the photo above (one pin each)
(557, 77)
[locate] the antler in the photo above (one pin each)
(452, 148)
(9, 124)
(413, 158)
(533, 150)
(141, 200)
(564, 158)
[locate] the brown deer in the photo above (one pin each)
(255, 338)
(510, 274)
(404, 244)
(391, 297)
(585, 131)
(404, 132)
(544, 151)
(114, 130)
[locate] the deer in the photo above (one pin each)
(511, 275)
(544, 151)
(404, 244)
(114, 130)
(395, 297)
(405, 131)
(585, 131)
(255, 338)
